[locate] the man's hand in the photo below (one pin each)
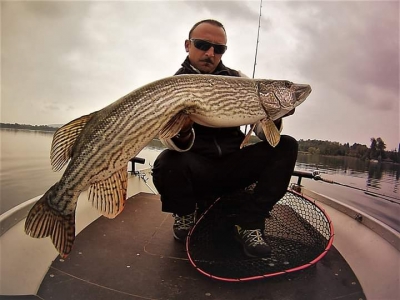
(187, 125)
(289, 113)
(278, 122)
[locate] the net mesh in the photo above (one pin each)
(298, 231)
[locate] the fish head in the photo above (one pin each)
(278, 97)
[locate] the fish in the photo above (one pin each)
(97, 147)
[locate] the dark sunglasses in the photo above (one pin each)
(204, 46)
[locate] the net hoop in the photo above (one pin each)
(297, 224)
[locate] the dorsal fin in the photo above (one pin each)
(108, 196)
(63, 141)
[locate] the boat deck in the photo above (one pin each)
(135, 257)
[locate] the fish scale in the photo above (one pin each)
(98, 146)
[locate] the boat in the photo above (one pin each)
(135, 257)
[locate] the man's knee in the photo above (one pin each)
(166, 157)
(163, 165)
(289, 143)
(170, 164)
(286, 144)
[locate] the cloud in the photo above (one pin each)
(239, 11)
(64, 59)
(353, 55)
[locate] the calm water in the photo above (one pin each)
(377, 178)
(25, 172)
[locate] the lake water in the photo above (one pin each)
(377, 178)
(25, 172)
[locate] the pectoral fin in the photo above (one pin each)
(247, 137)
(108, 196)
(173, 126)
(272, 134)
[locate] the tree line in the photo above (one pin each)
(376, 151)
(27, 127)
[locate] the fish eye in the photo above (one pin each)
(288, 84)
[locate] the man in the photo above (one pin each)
(203, 161)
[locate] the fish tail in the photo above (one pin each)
(43, 221)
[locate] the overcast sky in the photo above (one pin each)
(61, 60)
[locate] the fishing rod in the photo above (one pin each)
(317, 176)
(255, 55)
(258, 40)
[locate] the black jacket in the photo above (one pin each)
(214, 142)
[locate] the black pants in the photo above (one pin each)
(183, 179)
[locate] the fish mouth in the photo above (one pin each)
(302, 91)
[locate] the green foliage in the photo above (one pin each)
(313, 150)
(326, 148)
(27, 127)
(376, 151)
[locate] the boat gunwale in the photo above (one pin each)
(386, 232)
(14, 215)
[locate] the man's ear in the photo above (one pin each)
(187, 43)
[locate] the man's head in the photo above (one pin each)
(202, 55)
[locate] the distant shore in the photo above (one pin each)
(28, 127)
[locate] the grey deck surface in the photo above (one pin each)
(134, 256)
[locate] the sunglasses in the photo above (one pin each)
(204, 46)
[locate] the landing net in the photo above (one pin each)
(298, 231)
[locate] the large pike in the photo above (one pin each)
(99, 145)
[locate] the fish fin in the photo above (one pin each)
(43, 221)
(63, 141)
(173, 126)
(247, 137)
(108, 196)
(272, 133)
